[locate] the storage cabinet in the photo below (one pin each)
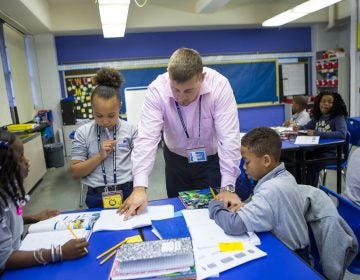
(33, 150)
(332, 74)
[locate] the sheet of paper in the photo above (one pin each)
(34, 241)
(198, 222)
(307, 140)
(210, 261)
(110, 220)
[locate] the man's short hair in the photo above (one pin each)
(263, 141)
(301, 100)
(184, 64)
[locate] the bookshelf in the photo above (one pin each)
(332, 74)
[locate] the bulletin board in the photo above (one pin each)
(253, 82)
(80, 87)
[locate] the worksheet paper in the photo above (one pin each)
(307, 140)
(110, 220)
(206, 233)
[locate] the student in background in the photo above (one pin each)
(101, 149)
(193, 108)
(13, 168)
(328, 121)
(276, 205)
(352, 190)
(300, 116)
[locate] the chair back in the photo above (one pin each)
(350, 212)
(353, 126)
(347, 147)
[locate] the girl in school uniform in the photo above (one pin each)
(13, 169)
(101, 149)
(328, 121)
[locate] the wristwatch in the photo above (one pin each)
(228, 188)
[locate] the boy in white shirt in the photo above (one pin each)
(300, 117)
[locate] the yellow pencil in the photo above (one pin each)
(112, 248)
(212, 192)
(108, 257)
(75, 236)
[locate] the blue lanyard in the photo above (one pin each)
(114, 156)
(182, 119)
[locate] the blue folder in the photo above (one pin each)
(171, 228)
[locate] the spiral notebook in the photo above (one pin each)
(154, 259)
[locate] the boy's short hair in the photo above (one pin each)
(263, 141)
(184, 64)
(301, 101)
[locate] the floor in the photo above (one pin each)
(58, 190)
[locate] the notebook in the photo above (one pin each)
(110, 220)
(34, 241)
(153, 259)
(196, 199)
(81, 220)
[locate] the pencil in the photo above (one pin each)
(112, 248)
(212, 192)
(75, 236)
(108, 257)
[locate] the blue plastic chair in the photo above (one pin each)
(350, 212)
(347, 149)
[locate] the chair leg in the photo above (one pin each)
(81, 202)
(324, 177)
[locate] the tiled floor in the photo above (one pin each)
(59, 190)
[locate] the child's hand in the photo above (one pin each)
(286, 123)
(229, 199)
(106, 148)
(74, 248)
(310, 132)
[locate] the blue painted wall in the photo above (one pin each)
(94, 48)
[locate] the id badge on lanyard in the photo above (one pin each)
(112, 199)
(196, 152)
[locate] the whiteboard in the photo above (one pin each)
(293, 78)
(134, 100)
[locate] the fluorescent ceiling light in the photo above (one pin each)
(298, 12)
(113, 15)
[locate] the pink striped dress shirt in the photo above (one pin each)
(219, 124)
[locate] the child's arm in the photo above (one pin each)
(230, 222)
(43, 215)
(72, 249)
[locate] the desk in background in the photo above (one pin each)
(301, 163)
(279, 263)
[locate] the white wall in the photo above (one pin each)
(49, 95)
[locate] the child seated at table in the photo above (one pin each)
(299, 114)
(13, 169)
(276, 204)
(285, 208)
(328, 122)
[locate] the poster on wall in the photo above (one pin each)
(80, 87)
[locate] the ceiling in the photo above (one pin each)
(81, 17)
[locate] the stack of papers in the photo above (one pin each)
(207, 235)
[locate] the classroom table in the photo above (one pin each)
(279, 263)
(302, 163)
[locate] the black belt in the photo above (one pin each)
(109, 188)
